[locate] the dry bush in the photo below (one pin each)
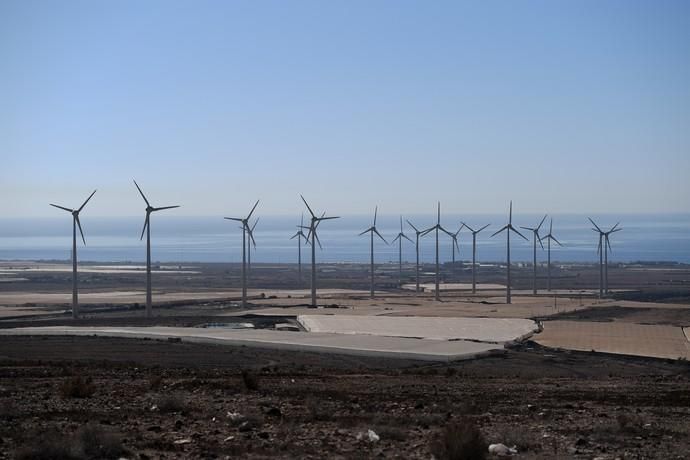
(92, 441)
(251, 380)
(460, 441)
(49, 445)
(155, 382)
(174, 402)
(77, 387)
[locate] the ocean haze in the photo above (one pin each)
(645, 237)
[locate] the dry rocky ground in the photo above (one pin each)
(153, 399)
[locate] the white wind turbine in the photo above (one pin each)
(245, 230)
(299, 235)
(437, 227)
(313, 225)
(536, 238)
(474, 254)
(548, 239)
(147, 229)
(75, 223)
(373, 230)
(509, 228)
(399, 237)
(418, 233)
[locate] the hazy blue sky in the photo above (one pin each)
(562, 106)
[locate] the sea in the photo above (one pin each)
(644, 238)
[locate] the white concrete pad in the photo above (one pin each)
(360, 345)
(493, 330)
(658, 341)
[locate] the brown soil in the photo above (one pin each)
(550, 404)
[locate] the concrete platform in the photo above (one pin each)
(360, 345)
(656, 341)
(491, 330)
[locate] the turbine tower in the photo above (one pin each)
(535, 237)
(245, 230)
(416, 246)
(250, 235)
(373, 230)
(299, 235)
(75, 223)
(508, 228)
(399, 237)
(549, 237)
(603, 249)
(474, 254)
(315, 221)
(147, 229)
(437, 227)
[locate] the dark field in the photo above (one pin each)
(143, 396)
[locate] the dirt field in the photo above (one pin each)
(171, 400)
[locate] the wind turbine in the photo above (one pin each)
(417, 234)
(535, 237)
(474, 254)
(508, 228)
(437, 227)
(299, 235)
(602, 250)
(549, 237)
(399, 237)
(250, 235)
(147, 229)
(455, 244)
(245, 230)
(75, 223)
(614, 229)
(373, 230)
(315, 221)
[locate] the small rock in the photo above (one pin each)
(502, 450)
(182, 441)
(245, 426)
(229, 438)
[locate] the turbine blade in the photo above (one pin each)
(301, 222)
(87, 200)
(614, 227)
(365, 231)
(468, 227)
(327, 218)
(62, 207)
(252, 211)
(233, 218)
(551, 227)
(516, 231)
(396, 238)
(527, 228)
(254, 226)
(540, 223)
(307, 205)
(499, 231)
(142, 194)
(407, 238)
(510, 218)
(410, 224)
(427, 231)
(376, 210)
(456, 244)
(377, 232)
(80, 230)
(164, 207)
(316, 236)
(608, 243)
(251, 237)
(595, 225)
(553, 238)
(540, 243)
(295, 236)
(146, 222)
(438, 218)
(483, 228)
(401, 224)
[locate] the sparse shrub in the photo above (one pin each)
(172, 403)
(77, 387)
(520, 437)
(92, 441)
(251, 380)
(460, 441)
(155, 382)
(48, 445)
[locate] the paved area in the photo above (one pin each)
(431, 287)
(616, 337)
(493, 330)
(361, 345)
